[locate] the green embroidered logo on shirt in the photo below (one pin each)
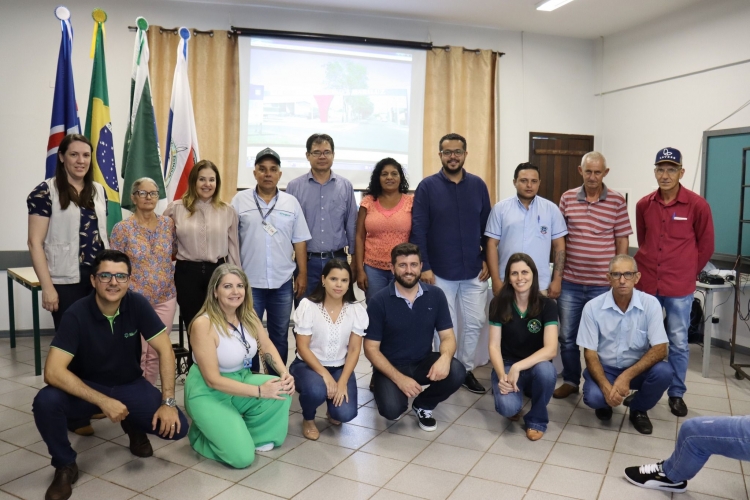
(131, 334)
(534, 326)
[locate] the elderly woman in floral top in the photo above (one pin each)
(149, 240)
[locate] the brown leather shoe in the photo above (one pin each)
(62, 485)
(140, 446)
(534, 435)
(564, 391)
(516, 417)
(310, 430)
(86, 430)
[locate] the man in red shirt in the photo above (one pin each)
(675, 241)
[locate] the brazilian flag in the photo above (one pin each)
(99, 127)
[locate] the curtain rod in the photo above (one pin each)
(448, 47)
(357, 40)
(175, 30)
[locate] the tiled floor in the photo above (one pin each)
(474, 454)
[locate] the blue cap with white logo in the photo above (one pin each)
(670, 155)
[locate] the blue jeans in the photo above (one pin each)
(471, 296)
(53, 407)
(392, 402)
(312, 391)
(701, 437)
(650, 385)
(570, 305)
(277, 302)
(539, 380)
(377, 279)
(678, 320)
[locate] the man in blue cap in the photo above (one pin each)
(675, 241)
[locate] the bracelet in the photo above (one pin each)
(259, 394)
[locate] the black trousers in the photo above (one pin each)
(392, 402)
(191, 281)
(68, 294)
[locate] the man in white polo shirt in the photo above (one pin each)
(272, 230)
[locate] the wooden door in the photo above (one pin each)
(558, 157)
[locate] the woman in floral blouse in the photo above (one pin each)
(149, 240)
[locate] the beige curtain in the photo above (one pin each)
(460, 98)
(213, 70)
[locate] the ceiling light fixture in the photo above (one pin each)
(550, 5)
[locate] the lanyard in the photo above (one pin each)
(241, 337)
(264, 217)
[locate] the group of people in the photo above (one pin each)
(419, 259)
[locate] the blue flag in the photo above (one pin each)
(64, 108)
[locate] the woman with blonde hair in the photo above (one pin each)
(149, 240)
(207, 237)
(235, 412)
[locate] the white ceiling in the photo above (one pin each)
(581, 18)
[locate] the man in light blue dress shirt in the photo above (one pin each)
(329, 206)
(530, 224)
(625, 344)
(272, 229)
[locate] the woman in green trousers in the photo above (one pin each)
(235, 412)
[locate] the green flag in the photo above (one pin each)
(141, 157)
(99, 127)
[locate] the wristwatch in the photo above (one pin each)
(171, 402)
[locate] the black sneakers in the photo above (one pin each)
(473, 385)
(424, 417)
(678, 407)
(652, 476)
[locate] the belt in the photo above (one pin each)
(336, 254)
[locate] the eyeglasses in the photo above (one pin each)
(671, 171)
(628, 275)
(107, 277)
(324, 154)
(458, 153)
(146, 194)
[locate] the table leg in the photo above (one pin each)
(37, 346)
(11, 313)
(708, 331)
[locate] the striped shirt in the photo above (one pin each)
(592, 229)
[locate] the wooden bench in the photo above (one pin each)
(26, 277)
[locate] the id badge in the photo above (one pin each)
(247, 363)
(269, 228)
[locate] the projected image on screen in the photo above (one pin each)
(360, 96)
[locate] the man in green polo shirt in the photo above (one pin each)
(93, 366)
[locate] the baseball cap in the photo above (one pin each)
(670, 155)
(267, 152)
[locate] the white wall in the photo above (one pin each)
(637, 122)
(545, 82)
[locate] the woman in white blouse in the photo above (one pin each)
(330, 325)
(207, 237)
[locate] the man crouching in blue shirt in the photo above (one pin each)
(403, 319)
(93, 366)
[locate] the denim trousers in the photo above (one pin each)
(53, 407)
(313, 393)
(377, 279)
(392, 402)
(539, 381)
(471, 297)
(678, 320)
(277, 304)
(570, 305)
(650, 385)
(701, 437)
